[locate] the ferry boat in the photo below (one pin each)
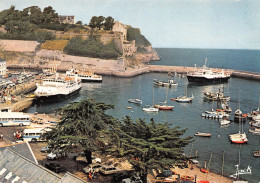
(207, 75)
(57, 88)
(84, 76)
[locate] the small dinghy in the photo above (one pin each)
(224, 122)
(202, 134)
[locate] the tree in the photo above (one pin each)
(80, 127)
(109, 22)
(148, 146)
(49, 15)
(96, 22)
(79, 22)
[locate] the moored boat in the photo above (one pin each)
(239, 116)
(207, 75)
(202, 134)
(135, 101)
(168, 83)
(150, 109)
(255, 124)
(238, 138)
(219, 96)
(57, 88)
(255, 131)
(89, 76)
(256, 153)
(224, 122)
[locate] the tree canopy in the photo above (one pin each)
(148, 146)
(100, 21)
(80, 127)
(134, 34)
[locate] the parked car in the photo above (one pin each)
(164, 174)
(95, 166)
(53, 156)
(56, 167)
(132, 179)
(108, 170)
(47, 149)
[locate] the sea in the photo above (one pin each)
(244, 93)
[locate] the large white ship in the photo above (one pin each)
(206, 74)
(58, 88)
(89, 76)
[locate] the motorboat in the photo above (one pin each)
(168, 83)
(224, 122)
(57, 88)
(183, 99)
(253, 114)
(88, 76)
(256, 118)
(239, 116)
(255, 131)
(256, 153)
(215, 115)
(207, 75)
(135, 101)
(226, 107)
(202, 134)
(255, 123)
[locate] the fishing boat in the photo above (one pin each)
(256, 153)
(239, 116)
(168, 83)
(207, 75)
(57, 88)
(88, 76)
(151, 108)
(135, 101)
(255, 124)
(219, 96)
(202, 134)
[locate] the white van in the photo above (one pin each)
(35, 134)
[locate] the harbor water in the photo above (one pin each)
(117, 91)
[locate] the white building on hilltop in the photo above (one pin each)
(2, 67)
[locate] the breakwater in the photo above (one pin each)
(157, 68)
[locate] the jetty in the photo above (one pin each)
(179, 70)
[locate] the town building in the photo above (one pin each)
(16, 168)
(2, 67)
(67, 19)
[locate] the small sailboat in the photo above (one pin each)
(202, 134)
(240, 137)
(184, 99)
(151, 108)
(164, 106)
(136, 101)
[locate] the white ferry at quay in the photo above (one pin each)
(57, 88)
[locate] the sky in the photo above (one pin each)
(221, 24)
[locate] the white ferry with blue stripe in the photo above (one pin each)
(14, 119)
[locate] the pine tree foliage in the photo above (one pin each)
(149, 146)
(80, 127)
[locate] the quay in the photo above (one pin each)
(180, 70)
